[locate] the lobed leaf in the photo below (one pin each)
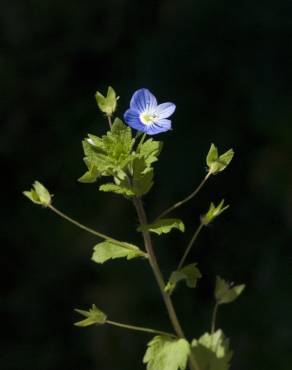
(108, 250)
(166, 353)
(212, 351)
(163, 226)
(189, 273)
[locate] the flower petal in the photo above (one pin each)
(132, 118)
(142, 100)
(164, 110)
(161, 125)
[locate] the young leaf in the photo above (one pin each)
(166, 353)
(142, 177)
(189, 273)
(109, 250)
(107, 104)
(163, 226)
(93, 316)
(150, 150)
(90, 176)
(39, 194)
(213, 212)
(118, 189)
(212, 351)
(226, 292)
(218, 163)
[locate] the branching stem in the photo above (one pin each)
(192, 241)
(89, 230)
(189, 197)
(159, 278)
(139, 328)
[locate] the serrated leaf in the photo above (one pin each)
(93, 316)
(166, 353)
(39, 194)
(227, 292)
(109, 250)
(109, 155)
(163, 226)
(212, 351)
(107, 104)
(218, 163)
(150, 150)
(89, 176)
(189, 273)
(118, 189)
(142, 177)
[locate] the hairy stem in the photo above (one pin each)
(192, 241)
(214, 315)
(138, 328)
(159, 278)
(189, 197)
(89, 230)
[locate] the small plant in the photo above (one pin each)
(126, 162)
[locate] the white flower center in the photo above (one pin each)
(148, 118)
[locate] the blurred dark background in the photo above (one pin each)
(228, 67)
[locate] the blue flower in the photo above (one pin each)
(146, 116)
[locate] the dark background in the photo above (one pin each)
(228, 67)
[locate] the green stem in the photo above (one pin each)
(189, 197)
(159, 278)
(141, 141)
(214, 315)
(139, 328)
(109, 118)
(192, 241)
(91, 231)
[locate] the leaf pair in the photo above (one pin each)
(107, 104)
(210, 351)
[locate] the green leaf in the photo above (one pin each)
(118, 189)
(226, 292)
(142, 177)
(90, 176)
(109, 250)
(107, 104)
(109, 155)
(163, 226)
(150, 150)
(212, 155)
(166, 353)
(93, 316)
(213, 212)
(189, 273)
(39, 194)
(218, 163)
(212, 351)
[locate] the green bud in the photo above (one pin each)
(107, 104)
(213, 212)
(39, 194)
(218, 163)
(93, 316)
